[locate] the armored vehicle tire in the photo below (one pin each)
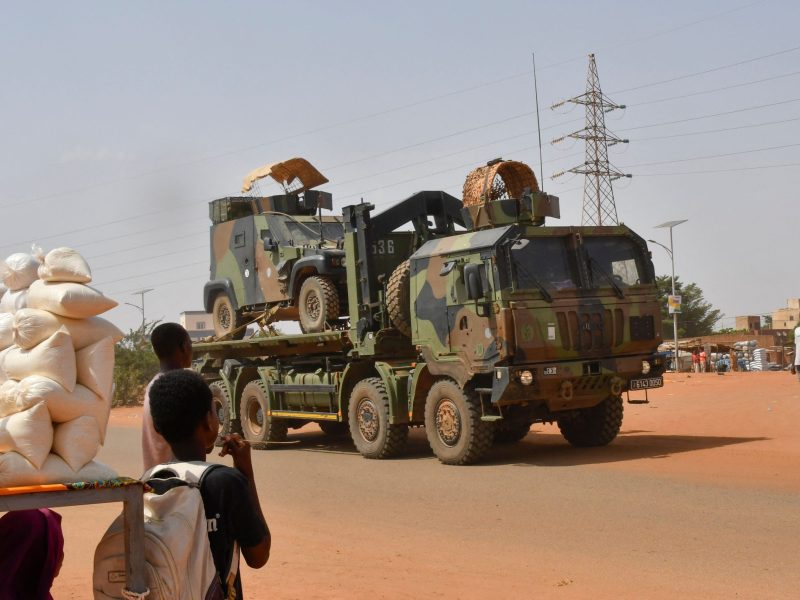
(370, 429)
(398, 298)
(257, 426)
(334, 429)
(221, 403)
(511, 431)
(226, 319)
(453, 424)
(317, 303)
(595, 426)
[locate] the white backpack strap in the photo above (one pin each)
(191, 472)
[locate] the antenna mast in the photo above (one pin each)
(538, 125)
(599, 207)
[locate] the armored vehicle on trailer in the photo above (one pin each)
(276, 257)
(481, 323)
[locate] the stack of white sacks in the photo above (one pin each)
(56, 370)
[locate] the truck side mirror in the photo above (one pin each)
(473, 282)
(270, 244)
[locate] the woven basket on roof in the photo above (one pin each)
(506, 179)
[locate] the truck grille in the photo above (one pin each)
(642, 328)
(591, 330)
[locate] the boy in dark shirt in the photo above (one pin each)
(180, 403)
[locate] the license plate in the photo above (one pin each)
(643, 384)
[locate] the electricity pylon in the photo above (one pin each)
(598, 194)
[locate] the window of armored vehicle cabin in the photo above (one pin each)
(615, 258)
(544, 262)
(290, 230)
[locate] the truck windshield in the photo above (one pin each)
(543, 263)
(304, 232)
(615, 257)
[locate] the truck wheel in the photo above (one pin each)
(257, 426)
(226, 319)
(221, 403)
(334, 429)
(453, 424)
(595, 426)
(318, 303)
(510, 432)
(370, 429)
(398, 298)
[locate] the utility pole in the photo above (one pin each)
(140, 308)
(599, 207)
(671, 225)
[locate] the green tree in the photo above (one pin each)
(135, 365)
(697, 317)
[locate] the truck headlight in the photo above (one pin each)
(645, 367)
(526, 378)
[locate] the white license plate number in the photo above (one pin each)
(644, 384)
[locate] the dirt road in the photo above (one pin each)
(697, 498)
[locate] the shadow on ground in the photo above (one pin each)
(541, 449)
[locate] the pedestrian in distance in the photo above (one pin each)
(796, 365)
(31, 553)
(173, 347)
(695, 362)
(182, 411)
(703, 361)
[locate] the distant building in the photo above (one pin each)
(789, 317)
(750, 323)
(197, 323)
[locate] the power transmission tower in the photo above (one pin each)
(598, 194)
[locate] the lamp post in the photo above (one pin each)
(140, 308)
(671, 225)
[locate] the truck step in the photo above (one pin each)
(491, 418)
(308, 415)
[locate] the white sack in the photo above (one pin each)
(16, 470)
(32, 326)
(3, 376)
(30, 433)
(73, 300)
(19, 271)
(63, 405)
(95, 365)
(65, 264)
(54, 358)
(8, 398)
(6, 330)
(77, 441)
(13, 301)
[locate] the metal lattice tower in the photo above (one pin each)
(598, 194)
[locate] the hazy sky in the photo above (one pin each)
(121, 121)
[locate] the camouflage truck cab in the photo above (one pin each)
(276, 256)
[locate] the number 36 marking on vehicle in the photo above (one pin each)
(383, 247)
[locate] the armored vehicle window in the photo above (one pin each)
(543, 262)
(303, 232)
(616, 257)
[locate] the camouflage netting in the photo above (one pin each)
(506, 179)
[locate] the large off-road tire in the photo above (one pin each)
(221, 403)
(370, 429)
(317, 303)
(595, 426)
(334, 429)
(453, 424)
(226, 319)
(398, 298)
(257, 426)
(511, 431)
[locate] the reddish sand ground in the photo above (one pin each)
(697, 497)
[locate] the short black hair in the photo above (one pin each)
(179, 401)
(167, 339)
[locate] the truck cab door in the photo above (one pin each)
(243, 245)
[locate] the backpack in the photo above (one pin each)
(178, 560)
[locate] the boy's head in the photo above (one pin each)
(172, 345)
(182, 410)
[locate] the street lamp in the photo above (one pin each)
(671, 225)
(140, 308)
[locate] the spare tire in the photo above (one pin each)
(398, 298)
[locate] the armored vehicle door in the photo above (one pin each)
(243, 248)
(470, 317)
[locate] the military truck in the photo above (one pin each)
(477, 324)
(276, 257)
